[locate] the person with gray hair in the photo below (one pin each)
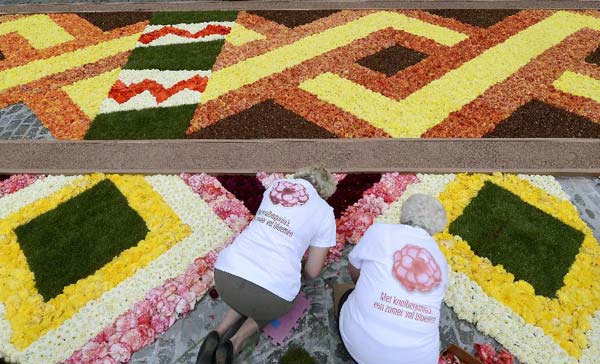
(393, 313)
(258, 276)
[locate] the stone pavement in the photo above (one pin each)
(585, 194)
(317, 331)
(18, 122)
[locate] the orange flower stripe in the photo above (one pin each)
(122, 93)
(209, 30)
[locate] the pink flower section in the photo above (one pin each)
(141, 325)
(165, 304)
(17, 182)
(488, 355)
(448, 358)
(288, 194)
(223, 202)
(416, 268)
(357, 218)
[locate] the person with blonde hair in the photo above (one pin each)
(393, 313)
(258, 276)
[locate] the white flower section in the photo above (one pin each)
(192, 210)
(39, 189)
(548, 184)
(175, 39)
(7, 350)
(591, 355)
(429, 184)
(525, 341)
(145, 99)
(208, 233)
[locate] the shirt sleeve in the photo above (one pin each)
(326, 234)
(359, 252)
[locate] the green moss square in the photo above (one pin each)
(187, 56)
(79, 236)
(154, 123)
(531, 244)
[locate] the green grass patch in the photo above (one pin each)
(79, 236)
(532, 245)
(155, 123)
(190, 56)
(296, 355)
(177, 17)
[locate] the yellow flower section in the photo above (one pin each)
(454, 90)
(89, 93)
(39, 30)
(41, 68)
(241, 35)
(277, 60)
(578, 85)
(565, 318)
(29, 316)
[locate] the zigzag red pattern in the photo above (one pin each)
(121, 93)
(210, 29)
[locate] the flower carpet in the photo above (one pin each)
(97, 294)
(303, 74)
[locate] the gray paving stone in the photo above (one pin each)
(18, 122)
(585, 194)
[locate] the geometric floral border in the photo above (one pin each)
(208, 233)
(527, 342)
(156, 308)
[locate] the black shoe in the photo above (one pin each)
(208, 348)
(224, 353)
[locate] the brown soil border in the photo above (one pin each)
(535, 156)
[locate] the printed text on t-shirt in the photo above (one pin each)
(404, 308)
(275, 221)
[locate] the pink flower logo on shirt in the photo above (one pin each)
(416, 268)
(288, 194)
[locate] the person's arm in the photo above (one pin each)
(315, 261)
(354, 272)
(323, 240)
(360, 253)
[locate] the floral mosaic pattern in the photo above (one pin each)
(168, 69)
(108, 322)
(534, 328)
(414, 73)
(351, 73)
(62, 66)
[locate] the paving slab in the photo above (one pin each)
(585, 194)
(18, 122)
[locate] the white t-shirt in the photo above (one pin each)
(393, 314)
(269, 251)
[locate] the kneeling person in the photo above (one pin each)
(392, 315)
(259, 274)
